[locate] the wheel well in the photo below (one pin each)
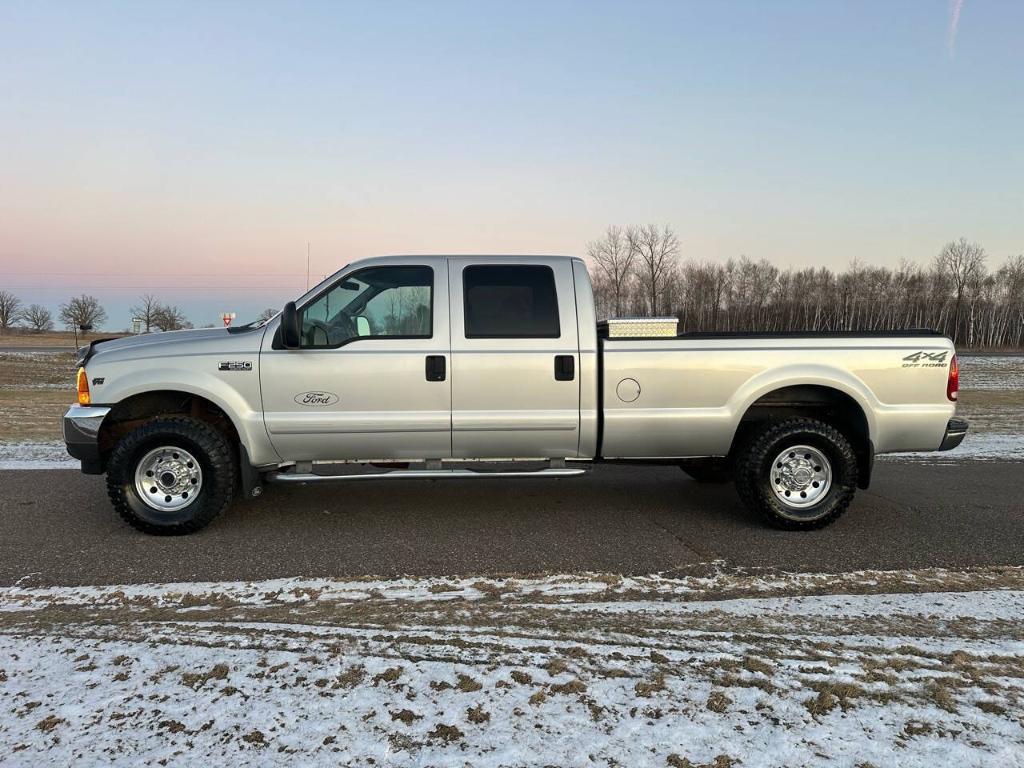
(138, 409)
(824, 403)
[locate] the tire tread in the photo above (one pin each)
(212, 442)
(751, 458)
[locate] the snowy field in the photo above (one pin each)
(920, 668)
(36, 455)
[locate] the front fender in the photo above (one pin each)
(239, 401)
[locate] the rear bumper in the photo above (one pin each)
(81, 436)
(956, 429)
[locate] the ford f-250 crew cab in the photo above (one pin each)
(419, 366)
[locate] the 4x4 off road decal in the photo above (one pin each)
(924, 359)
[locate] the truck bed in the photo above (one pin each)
(696, 388)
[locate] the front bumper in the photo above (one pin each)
(81, 435)
(956, 429)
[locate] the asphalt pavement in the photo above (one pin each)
(57, 527)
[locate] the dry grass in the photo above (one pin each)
(389, 675)
(19, 338)
(718, 702)
(647, 688)
(35, 390)
(468, 684)
(406, 716)
(448, 733)
(556, 667)
(721, 761)
(196, 680)
(573, 686)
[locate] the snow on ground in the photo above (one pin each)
(997, 372)
(32, 455)
(916, 668)
(984, 446)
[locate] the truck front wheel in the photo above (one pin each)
(171, 476)
(798, 474)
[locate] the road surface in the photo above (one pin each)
(57, 527)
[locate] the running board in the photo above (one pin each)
(418, 474)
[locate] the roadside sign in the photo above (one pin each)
(227, 317)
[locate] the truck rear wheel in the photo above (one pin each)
(798, 474)
(171, 476)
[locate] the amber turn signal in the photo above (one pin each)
(83, 388)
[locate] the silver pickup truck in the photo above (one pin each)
(460, 367)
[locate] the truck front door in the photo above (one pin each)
(515, 358)
(371, 379)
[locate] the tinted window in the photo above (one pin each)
(376, 302)
(510, 302)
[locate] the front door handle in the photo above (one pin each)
(565, 367)
(436, 368)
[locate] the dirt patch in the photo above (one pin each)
(196, 680)
(448, 733)
(718, 702)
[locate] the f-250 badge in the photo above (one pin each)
(235, 365)
(924, 359)
(316, 398)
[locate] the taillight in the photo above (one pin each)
(953, 382)
(83, 388)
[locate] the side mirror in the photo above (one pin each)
(291, 332)
(362, 326)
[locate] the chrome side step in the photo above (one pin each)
(419, 474)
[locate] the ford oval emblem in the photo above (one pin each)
(316, 398)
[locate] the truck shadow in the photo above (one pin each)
(615, 519)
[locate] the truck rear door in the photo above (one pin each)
(515, 358)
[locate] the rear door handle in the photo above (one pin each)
(436, 368)
(565, 367)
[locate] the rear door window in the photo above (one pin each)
(510, 302)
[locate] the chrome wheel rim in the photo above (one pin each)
(801, 475)
(168, 478)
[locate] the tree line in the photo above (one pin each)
(86, 311)
(639, 271)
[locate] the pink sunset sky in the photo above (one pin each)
(192, 150)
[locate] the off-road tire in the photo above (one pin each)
(753, 472)
(216, 459)
(711, 471)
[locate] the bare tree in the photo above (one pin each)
(169, 317)
(748, 295)
(146, 310)
(657, 250)
(82, 311)
(614, 260)
(266, 314)
(962, 263)
(10, 310)
(38, 318)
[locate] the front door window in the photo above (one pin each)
(374, 303)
